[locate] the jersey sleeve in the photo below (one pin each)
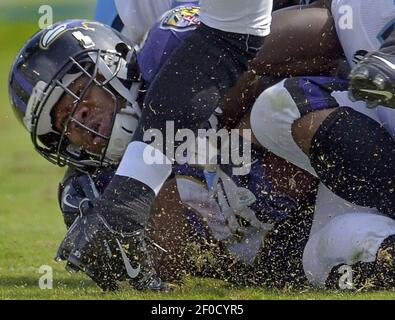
(166, 35)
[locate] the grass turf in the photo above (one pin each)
(31, 226)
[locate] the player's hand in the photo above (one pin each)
(77, 188)
(106, 256)
(98, 245)
(373, 80)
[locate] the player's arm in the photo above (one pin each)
(302, 42)
(373, 78)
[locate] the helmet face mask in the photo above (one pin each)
(103, 68)
(65, 150)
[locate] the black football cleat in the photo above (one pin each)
(373, 80)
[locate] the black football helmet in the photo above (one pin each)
(45, 67)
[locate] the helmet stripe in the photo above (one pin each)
(19, 103)
(23, 83)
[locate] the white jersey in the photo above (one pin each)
(362, 25)
(139, 16)
(247, 17)
(239, 16)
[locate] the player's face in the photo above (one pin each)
(95, 111)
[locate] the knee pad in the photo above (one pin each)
(272, 117)
(354, 156)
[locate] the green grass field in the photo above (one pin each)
(31, 226)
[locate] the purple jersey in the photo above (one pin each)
(166, 35)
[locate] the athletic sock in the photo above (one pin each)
(354, 156)
(131, 193)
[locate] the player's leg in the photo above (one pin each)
(303, 114)
(351, 153)
(352, 251)
(185, 81)
(305, 123)
(303, 41)
(278, 107)
(185, 93)
(285, 177)
(354, 156)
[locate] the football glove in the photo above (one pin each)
(108, 257)
(77, 187)
(103, 250)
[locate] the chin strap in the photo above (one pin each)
(125, 124)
